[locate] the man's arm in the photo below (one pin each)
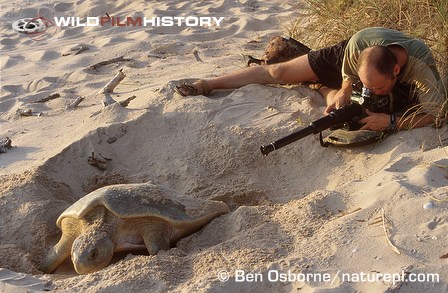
(340, 98)
(381, 121)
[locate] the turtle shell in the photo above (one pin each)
(145, 200)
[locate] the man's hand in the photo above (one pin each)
(336, 101)
(340, 98)
(375, 121)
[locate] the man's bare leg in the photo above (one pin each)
(291, 72)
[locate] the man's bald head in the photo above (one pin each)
(379, 58)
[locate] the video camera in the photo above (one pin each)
(347, 116)
(368, 100)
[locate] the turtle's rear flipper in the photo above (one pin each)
(254, 60)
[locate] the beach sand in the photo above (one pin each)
(303, 212)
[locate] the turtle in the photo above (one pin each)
(125, 217)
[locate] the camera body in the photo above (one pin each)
(368, 100)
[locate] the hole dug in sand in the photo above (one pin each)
(180, 144)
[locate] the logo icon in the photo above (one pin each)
(38, 28)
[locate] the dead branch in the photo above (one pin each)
(107, 62)
(394, 248)
(49, 98)
(75, 103)
(28, 112)
(126, 102)
(109, 88)
(5, 144)
(112, 84)
(98, 161)
(107, 100)
(346, 213)
(196, 55)
(78, 49)
(375, 221)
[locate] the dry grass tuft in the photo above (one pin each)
(335, 20)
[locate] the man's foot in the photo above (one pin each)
(196, 88)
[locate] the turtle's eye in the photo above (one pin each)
(93, 253)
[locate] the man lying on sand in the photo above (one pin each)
(378, 57)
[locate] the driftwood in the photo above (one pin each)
(28, 112)
(109, 88)
(75, 103)
(25, 112)
(126, 102)
(112, 84)
(107, 100)
(346, 213)
(5, 144)
(107, 62)
(376, 221)
(98, 161)
(49, 98)
(196, 55)
(76, 50)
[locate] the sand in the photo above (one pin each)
(304, 217)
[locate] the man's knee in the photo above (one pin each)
(277, 71)
(293, 71)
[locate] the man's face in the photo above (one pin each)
(378, 83)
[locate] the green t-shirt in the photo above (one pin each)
(420, 69)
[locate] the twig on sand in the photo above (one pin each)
(196, 55)
(49, 98)
(346, 213)
(28, 112)
(5, 144)
(107, 100)
(78, 49)
(126, 102)
(394, 248)
(98, 161)
(75, 103)
(110, 61)
(375, 221)
(110, 86)
(432, 196)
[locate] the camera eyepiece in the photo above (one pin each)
(366, 92)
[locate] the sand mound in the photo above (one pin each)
(303, 209)
(289, 209)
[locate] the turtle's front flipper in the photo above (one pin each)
(156, 235)
(61, 251)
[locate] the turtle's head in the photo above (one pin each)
(92, 252)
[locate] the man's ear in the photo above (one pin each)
(396, 69)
